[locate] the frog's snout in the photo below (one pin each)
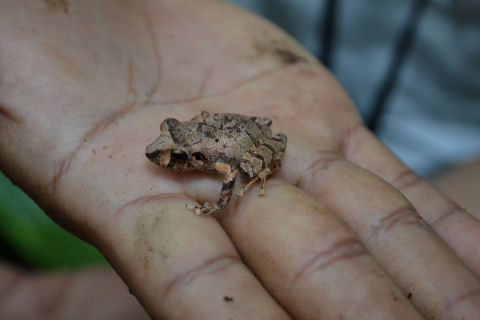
(152, 155)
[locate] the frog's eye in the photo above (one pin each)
(178, 155)
(199, 157)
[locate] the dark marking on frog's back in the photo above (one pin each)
(261, 158)
(269, 147)
(236, 129)
(206, 130)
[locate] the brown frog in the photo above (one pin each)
(222, 143)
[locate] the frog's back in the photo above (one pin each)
(236, 124)
(228, 136)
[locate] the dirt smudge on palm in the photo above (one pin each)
(57, 5)
(279, 49)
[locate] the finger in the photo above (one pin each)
(60, 295)
(311, 262)
(419, 262)
(459, 229)
(181, 266)
(460, 183)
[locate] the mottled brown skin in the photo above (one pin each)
(223, 143)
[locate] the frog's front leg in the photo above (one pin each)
(230, 174)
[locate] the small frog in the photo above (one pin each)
(222, 143)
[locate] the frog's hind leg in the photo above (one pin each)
(259, 157)
(226, 194)
(255, 164)
(252, 165)
(262, 176)
(275, 164)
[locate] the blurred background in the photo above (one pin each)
(412, 67)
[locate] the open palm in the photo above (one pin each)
(344, 226)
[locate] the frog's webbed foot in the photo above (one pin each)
(226, 194)
(262, 176)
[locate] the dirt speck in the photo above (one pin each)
(409, 295)
(228, 299)
(57, 5)
(278, 49)
(94, 151)
(288, 57)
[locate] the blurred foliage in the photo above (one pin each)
(35, 237)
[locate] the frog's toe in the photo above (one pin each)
(206, 208)
(198, 210)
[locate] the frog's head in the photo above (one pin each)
(170, 149)
(169, 156)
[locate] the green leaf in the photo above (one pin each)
(35, 237)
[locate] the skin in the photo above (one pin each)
(222, 143)
(462, 183)
(344, 230)
(92, 293)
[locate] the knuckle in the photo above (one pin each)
(205, 268)
(353, 139)
(466, 300)
(406, 179)
(322, 161)
(9, 115)
(405, 215)
(449, 212)
(342, 250)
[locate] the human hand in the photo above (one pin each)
(83, 91)
(90, 293)
(461, 184)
